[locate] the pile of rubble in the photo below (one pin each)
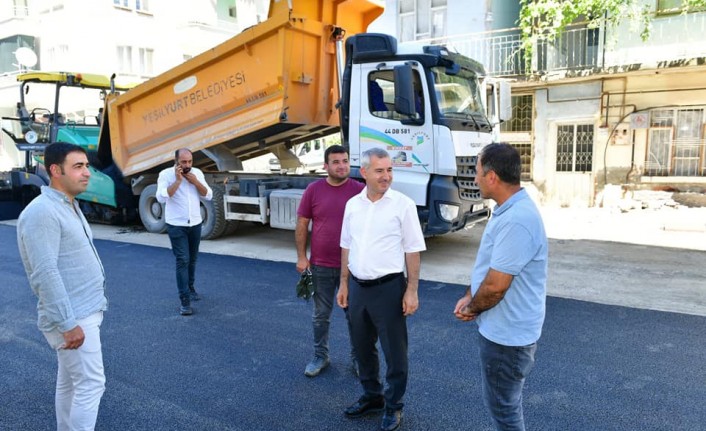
(615, 197)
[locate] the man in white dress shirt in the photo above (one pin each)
(180, 189)
(380, 238)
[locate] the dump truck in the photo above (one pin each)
(307, 72)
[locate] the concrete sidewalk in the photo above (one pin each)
(676, 227)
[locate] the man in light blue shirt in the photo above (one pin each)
(507, 295)
(66, 275)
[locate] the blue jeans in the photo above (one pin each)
(504, 370)
(185, 246)
(326, 281)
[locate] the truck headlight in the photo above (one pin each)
(448, 212)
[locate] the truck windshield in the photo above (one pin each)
(458, 96)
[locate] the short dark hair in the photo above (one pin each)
(504, 160)
(55, 154)
(335, 149)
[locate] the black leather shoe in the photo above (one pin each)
(391, 420)
(364, 407)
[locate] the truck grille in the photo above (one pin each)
(466, 167)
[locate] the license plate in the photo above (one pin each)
(477, 207)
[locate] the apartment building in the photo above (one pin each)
(596, 106)
(135, 39)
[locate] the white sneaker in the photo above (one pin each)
(316, 366)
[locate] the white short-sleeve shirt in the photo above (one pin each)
(378, 234)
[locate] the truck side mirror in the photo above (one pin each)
(499, 100)
(404, 90)
(405, 98)
(505, 102)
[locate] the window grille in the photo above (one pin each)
(658, 152)
(525, 150)
(676, 143)
(521, 121)
(574, 148)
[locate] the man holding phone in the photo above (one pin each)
(180, 189)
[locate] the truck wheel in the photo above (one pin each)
(213, 214)
(231, 227)
(151, 211)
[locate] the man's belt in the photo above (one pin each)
(376, 281)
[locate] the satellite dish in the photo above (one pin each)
(26, 57)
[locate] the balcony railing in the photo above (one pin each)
(672, 38)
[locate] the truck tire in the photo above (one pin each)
(213, 213)
(151, 211)
(231, 227)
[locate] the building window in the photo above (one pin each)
(422, 19)
(676, 143)
(125, 59)
(142, 5)
(521, 121)
(146, 65)
(525, 150)
(672, 7)
(574, 152)
(21, 8)
(138, 5)
(438, 21)
(519, 128)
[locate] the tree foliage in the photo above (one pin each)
(546, 19)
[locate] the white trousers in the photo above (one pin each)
(80, 380)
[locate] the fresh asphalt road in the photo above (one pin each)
(237, 363)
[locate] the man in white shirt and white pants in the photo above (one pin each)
(181, 189)
(381, 236)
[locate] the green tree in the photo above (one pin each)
(544, 20)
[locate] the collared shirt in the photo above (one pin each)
(324, 204)
(514, 242)
(378, 234)
(62, 264)
(183, 208)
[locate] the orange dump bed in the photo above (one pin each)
(274, 83)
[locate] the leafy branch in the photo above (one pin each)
(545, 20)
